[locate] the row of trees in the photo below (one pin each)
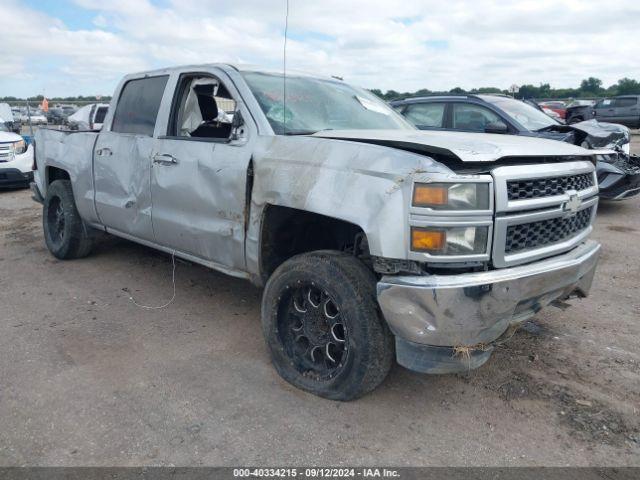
(589, 88)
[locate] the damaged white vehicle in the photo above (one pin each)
(373, 240)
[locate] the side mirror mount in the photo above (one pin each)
(496, 127)
(236, 125)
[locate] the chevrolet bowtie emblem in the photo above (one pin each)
(573, 204)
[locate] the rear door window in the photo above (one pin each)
(138, 105)
(424, 115)
(625, 102)
(467, 116)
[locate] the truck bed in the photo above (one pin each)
(71, 151)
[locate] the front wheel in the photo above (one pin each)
(65, 233)
(323, 327)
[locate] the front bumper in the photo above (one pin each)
(475, 309)
(14, 178)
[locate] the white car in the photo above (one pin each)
(37, 118)
(16, 159)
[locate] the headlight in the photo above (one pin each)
(449, 240)
(19, 147)
(451, 196)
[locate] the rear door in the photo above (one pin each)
(199, 171)
(122, 158)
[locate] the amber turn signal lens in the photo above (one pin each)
(427, 240)
(426, 195)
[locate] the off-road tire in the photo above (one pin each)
(65, 234)
(368, 349)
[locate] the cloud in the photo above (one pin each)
(375, 43)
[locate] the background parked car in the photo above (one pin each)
(10, 122)
(89, 117)
(55, 116)
(618, 174)
(551, 113)
(556, 106)
(59, 114)
(38, 117)
(579, 111)
(624, 110)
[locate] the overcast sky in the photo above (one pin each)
(69, 47)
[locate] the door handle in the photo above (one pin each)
(165, 159)
(104, 151)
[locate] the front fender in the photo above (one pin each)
(366, 185)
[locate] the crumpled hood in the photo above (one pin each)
(595, 134)
(467, 147)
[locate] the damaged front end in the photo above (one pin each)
(538, 254)
(618, 171)
(618, 176)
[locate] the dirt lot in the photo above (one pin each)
(88, 378)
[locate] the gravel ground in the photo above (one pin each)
(88, 378)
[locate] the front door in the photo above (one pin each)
(122, 162)
(199, 174)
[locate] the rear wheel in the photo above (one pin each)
(322, 325)
(65, 233)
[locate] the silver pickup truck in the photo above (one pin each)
(372, 239)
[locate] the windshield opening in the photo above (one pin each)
(529, 117)
(314, 104)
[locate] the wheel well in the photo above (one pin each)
(288, 231)
(55, 173)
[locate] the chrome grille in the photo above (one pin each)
(542, 210)
(6, 152)
(547, 187)
(546, 232)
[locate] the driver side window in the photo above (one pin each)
(205, 109)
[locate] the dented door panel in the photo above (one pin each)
(122, 164)
(198, 201)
